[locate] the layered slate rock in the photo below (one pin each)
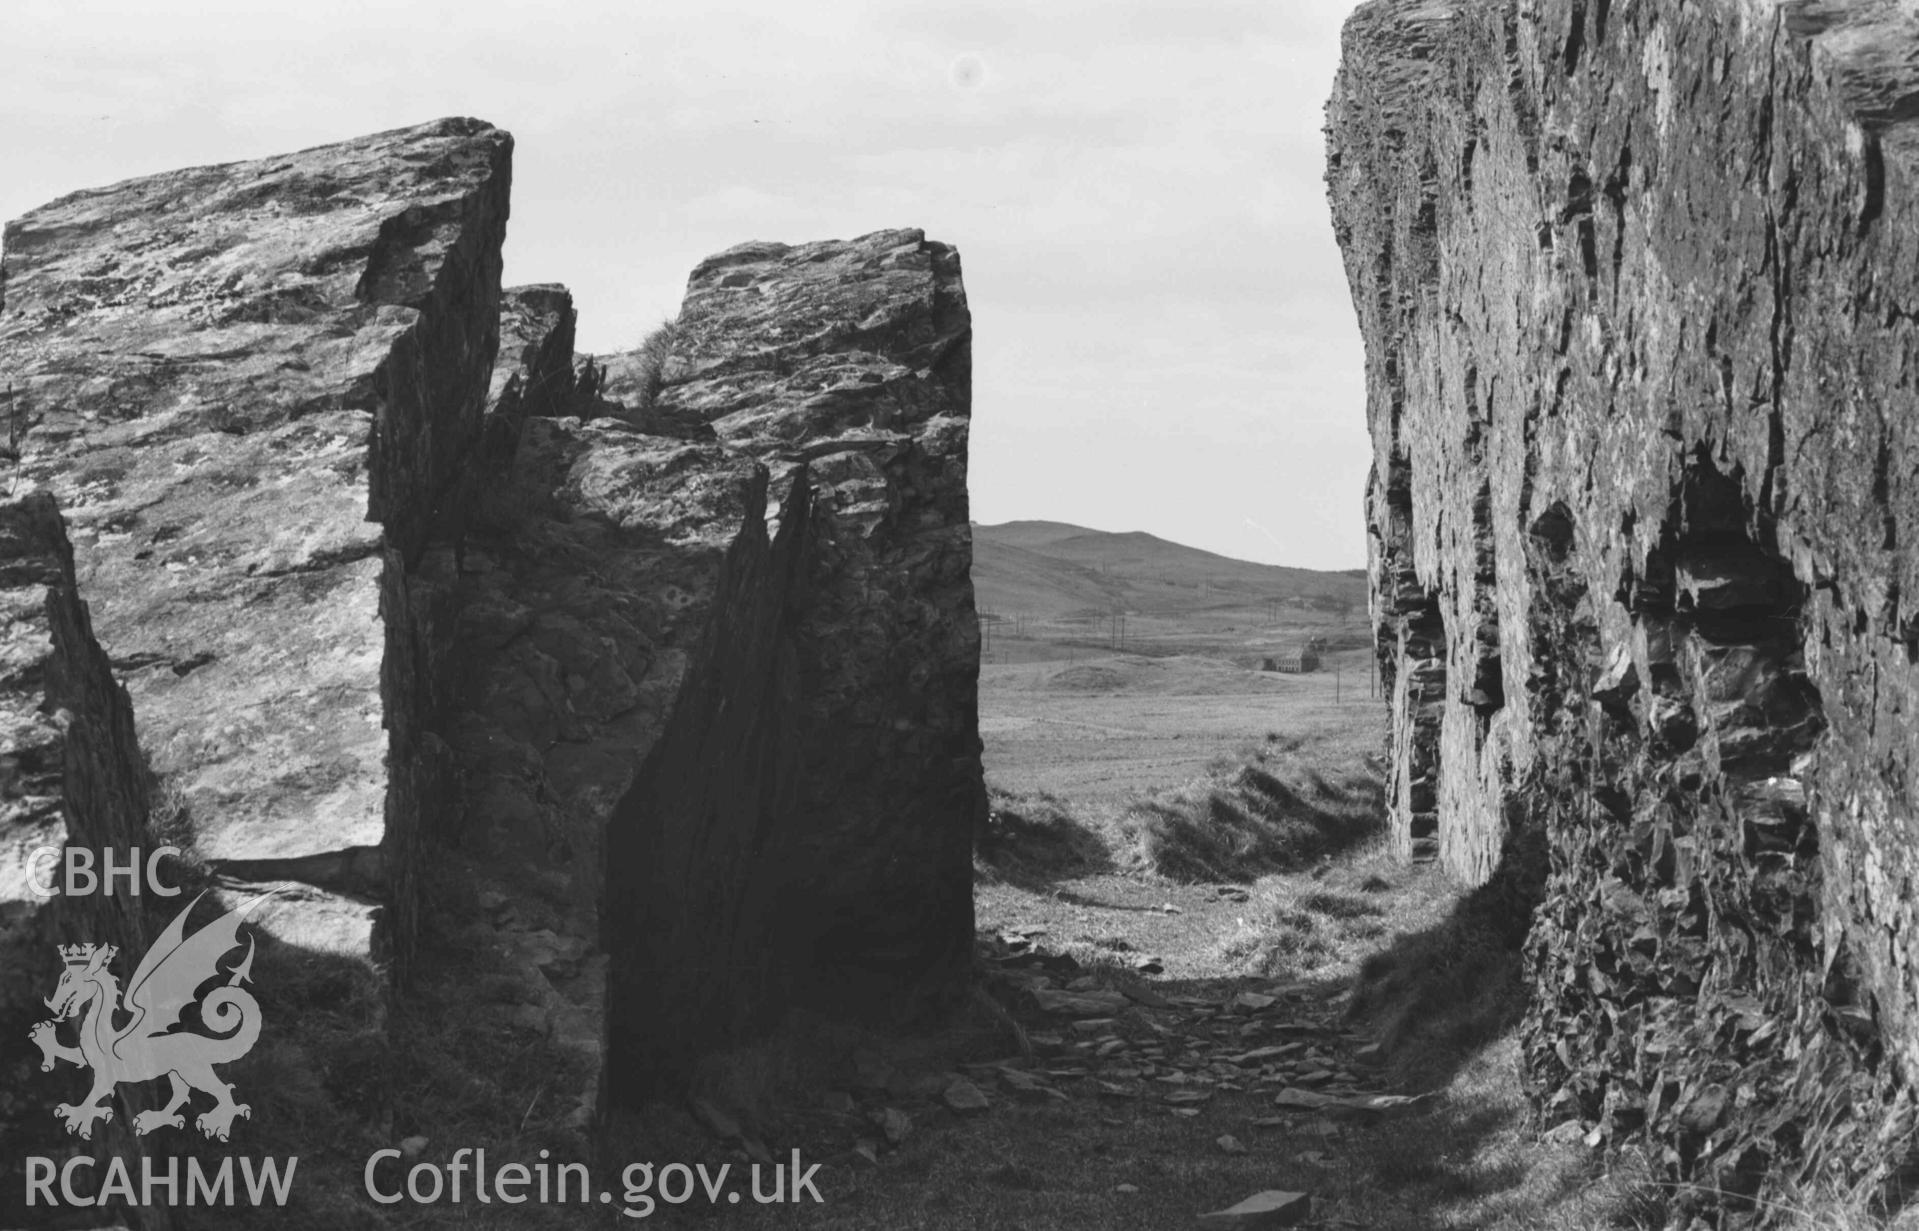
(844, 668)
(668, 806)
(32, 744)
(534, 374)
(72, 764)
(71, 769)
(594, 561)
(620, 722)
(1634, 284)
(253, 389)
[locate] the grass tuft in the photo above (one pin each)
(652, 355)
(1268, 811)
(1035, 838)
(170, 823)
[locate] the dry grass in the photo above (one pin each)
(1167, 721)
(1272, 810)
(170, 823)
(1476, 1160)
(1035, 837)
(1327, 922)
(651, 357)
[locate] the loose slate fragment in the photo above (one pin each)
(1380, 1105)
(1262, 1053)
(1147, 996)
(965, 1098)
(1273, 1208)
(894, 1123)
(1292, 1098)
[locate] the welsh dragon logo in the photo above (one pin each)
(146, 1043)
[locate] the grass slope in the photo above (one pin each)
(1050, 569)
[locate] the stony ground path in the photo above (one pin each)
(1130, 1071)
(1155, 1085)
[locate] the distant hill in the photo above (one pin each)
(1049, 569)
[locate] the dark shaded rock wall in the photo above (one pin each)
(34, 562)
(705, 949)
(845, 369)
(1635, 283)
(102, 784)
(71, 769)
(593, 589)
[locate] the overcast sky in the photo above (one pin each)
(1162, 335)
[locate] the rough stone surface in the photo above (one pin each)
(70, 769)
(837, 872)
(34, 563)
(651, 721)
(72, 765)
(595, 564)
(1635, 287)
(534, 374)
(252, 388)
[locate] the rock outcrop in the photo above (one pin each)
(846, 370)
(1634, 283)
(624, 715)
(253, 389)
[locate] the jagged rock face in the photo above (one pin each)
(32, 763)
(846, 369)
(252, 388)
(72, 763)
(71, 770)
(534, 374)
(593, 570)
(1634, 283)
(676, 706)
(680, 698)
